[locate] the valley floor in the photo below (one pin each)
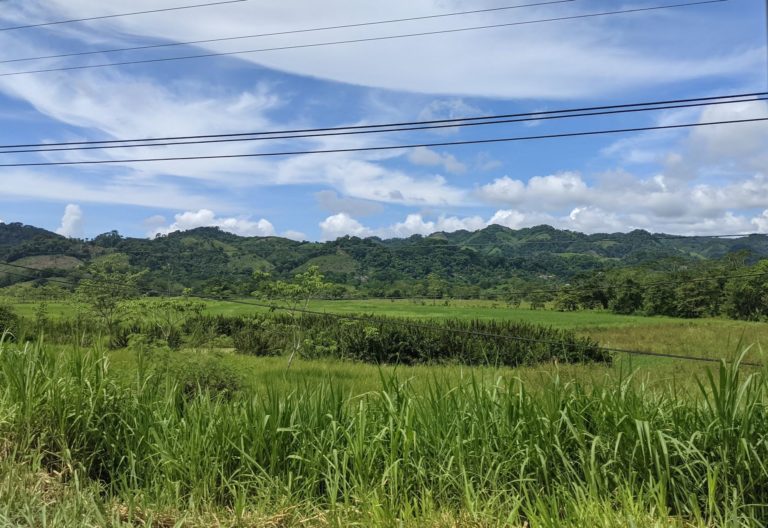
(413, 446)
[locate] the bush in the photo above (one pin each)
(319, 346)
(9, 321)
(204, 374)
(256, 339)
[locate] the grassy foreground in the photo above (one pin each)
(82, 445)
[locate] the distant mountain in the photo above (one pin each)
(465, 262)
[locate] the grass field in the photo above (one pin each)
(96, 438)
(712, 338)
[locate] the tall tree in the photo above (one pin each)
(111, 281)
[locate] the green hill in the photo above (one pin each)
(209, 259)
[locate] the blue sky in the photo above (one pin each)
(707, 180)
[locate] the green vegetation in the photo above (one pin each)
(495, 262)
(85, 446)
(715, 288)
(128, 398)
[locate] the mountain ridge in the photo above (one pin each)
(482, 260)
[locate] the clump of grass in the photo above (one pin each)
(483, 454)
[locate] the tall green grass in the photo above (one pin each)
(474, 453)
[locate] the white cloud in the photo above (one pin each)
(122, 189)
(340, 225)
(689, 188)
(508, 218)
(413, 224)
(761, 222)
(544, 191)
(504, 189)
(154, 222)
(427, 157)
(71, 222)
(558, 60)
(453, 223)
(454, 108)
(485, 163)
(592, 219)
(366, 180)
(331, 201)
(207, 218)
(294, 235)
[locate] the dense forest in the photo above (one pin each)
(636, 272)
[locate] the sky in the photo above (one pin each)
(706, 180)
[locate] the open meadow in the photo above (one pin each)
(202, 434)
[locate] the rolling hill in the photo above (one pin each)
(470, 262)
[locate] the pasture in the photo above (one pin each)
(201, 435)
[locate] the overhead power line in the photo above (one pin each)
(287, 32)
(454, 121)
(159, 143)
(360, 40)
(388, 147)
(409, 324)
(120, 15)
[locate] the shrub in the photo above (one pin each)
(319, 346)
(9, 321)
(204, 374)
(256, 339)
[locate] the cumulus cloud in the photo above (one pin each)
(340, 225)
(545, 191)
(761, 222)
(415, 224)
(207, 218)
(592, 219)
(587, 219)
(71, 222)
(508, 218)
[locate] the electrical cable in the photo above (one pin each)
(387, 147)
(375, 131)
(355, 41)
(119, 15)
(287, 32)
(537, 115)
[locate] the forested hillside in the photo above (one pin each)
(489, 262)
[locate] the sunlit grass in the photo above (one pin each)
(352, 444)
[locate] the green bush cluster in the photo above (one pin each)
(403, 341)
(8, 320)
(367, 339)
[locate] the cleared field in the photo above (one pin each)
(711, 338)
